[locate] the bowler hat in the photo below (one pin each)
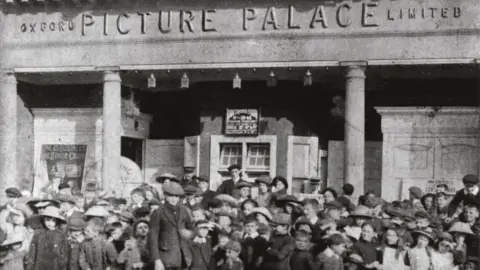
(241, 184)
(263, 179)
(63, 186)
(470, 179)
(264, 211)
(416, 192)
(173, 189)
(13, 193)
(361, 211)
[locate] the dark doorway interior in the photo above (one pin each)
(133, 149)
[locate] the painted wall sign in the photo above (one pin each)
(346, 15)
(241, 122)
(65, 163)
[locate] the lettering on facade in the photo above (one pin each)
(345, 15)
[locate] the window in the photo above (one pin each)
(258, 156)
(230, 154)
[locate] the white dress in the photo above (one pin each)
(390, 260)
(442, 261)
(419, 259)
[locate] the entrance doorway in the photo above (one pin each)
(132, 148)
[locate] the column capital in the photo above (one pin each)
(8, 76)
(354, 69)
(111, 76)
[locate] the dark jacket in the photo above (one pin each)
(207, 196)
(252, 249)
(73, 255)
(226, 187)
(368, 250)
(202, 256)
(166, 243)
(459, 197)
(302, 260)
(48, 250)
(278, 256)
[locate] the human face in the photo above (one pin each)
(441, 201)
(154, 207)
(247, 208)
(90, 232)
(50, 223)
(391, 237)
(423, 223)
(470, 188)
(359, 221)
(444, 247)
(281, 229)
(137, 198)
(76, 235)
(111, 219)
(321, 199)
(305, 227)
(232, 254)
(235, 173)
(117, 233)
(367, 233)
(263, 187)
(142, 229)
(302, 242)
(251, 227)
(428, 202)
(309, 211)
(422, 241)
(149, 195)
(12, 201)
(411, 224)
(203, 185)
(65, 206)
(288, 208)
(459, 237)
(198, 215)
(41, 210)
(245, 192)
(203, 232)
(172, 200)
(19, 220)
(328, 197)
(471, 214)
(224, 221)
(223, 240)
(338, 249)
(441, 189)
(334, 213)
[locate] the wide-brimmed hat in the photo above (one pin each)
(355, 258)
(361, 211)
(227, 199)
(262, 210)
(12, 239)
(97, 211)
(335, 205)
(190, 189)
(426, 233)
(53, 212)
(282, 219)
(226, 214)
(173, 189)
(252, 201)
(41, 203)
(125, 216)
(285, 199)
(460, 227)
(263, 179)
(76, 222)
(13, 192)
(65, 198)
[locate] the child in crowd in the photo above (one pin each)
(232, 261)
(202, 255)
(75, 227)
(49, 246)
(331, 258)
(302, 258)
(277, 255)
(95, 252)
(12, 254)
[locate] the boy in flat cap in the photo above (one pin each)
(470, 192)
(282, 245)
(232, 262)
(202, 253)
(227, 186)
(170, 231)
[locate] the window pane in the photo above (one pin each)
(259, 156)
(230, 154)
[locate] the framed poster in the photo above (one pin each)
(65, 163)
(241, 122)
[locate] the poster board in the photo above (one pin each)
(241, 122)
(64, 163)
(429, 186)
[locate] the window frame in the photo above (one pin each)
(215, 165)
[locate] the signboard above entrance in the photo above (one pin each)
(322, 17)
(241, 122)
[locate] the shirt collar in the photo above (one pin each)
(253, 235)
(313, 220)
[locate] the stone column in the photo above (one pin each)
(112, 128)
(8, 132)
(354, 158)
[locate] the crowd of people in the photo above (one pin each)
(185, 225)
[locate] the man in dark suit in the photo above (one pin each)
(468, 195)
(170, 231)
(228, 186)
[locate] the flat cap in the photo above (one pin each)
(234, 166)
(263, 179)
(201, 179)
(263, 228)
(282, 219)
(233, 245)
(416, 192)
(470, 179)
(126, 217)
(173, 189)
(421, 214)
(13, 193)
(190, 189)
(63, 186)
(189, 169)
(336, 205)
(241, 184)
(65, 198)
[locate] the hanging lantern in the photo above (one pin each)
(185, 81)
(152, 82)
(307, 79)
(237, 82)
(271, 80)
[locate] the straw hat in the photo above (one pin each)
(361, 211)
(460, 227)
(424, 233)
(264, 211)
(97, 211)
(54, 212)
(282, 219)
(227, 199)
(12, 239)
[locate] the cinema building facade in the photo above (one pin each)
(380, 94)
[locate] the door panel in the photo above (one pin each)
(163, 156)
(302, 161)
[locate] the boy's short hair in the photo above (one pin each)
(138, 191)
(250, 219)
(348, 189)
(313, 203)
(445, 186)
(336, 239)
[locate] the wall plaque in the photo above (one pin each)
(241, 122)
